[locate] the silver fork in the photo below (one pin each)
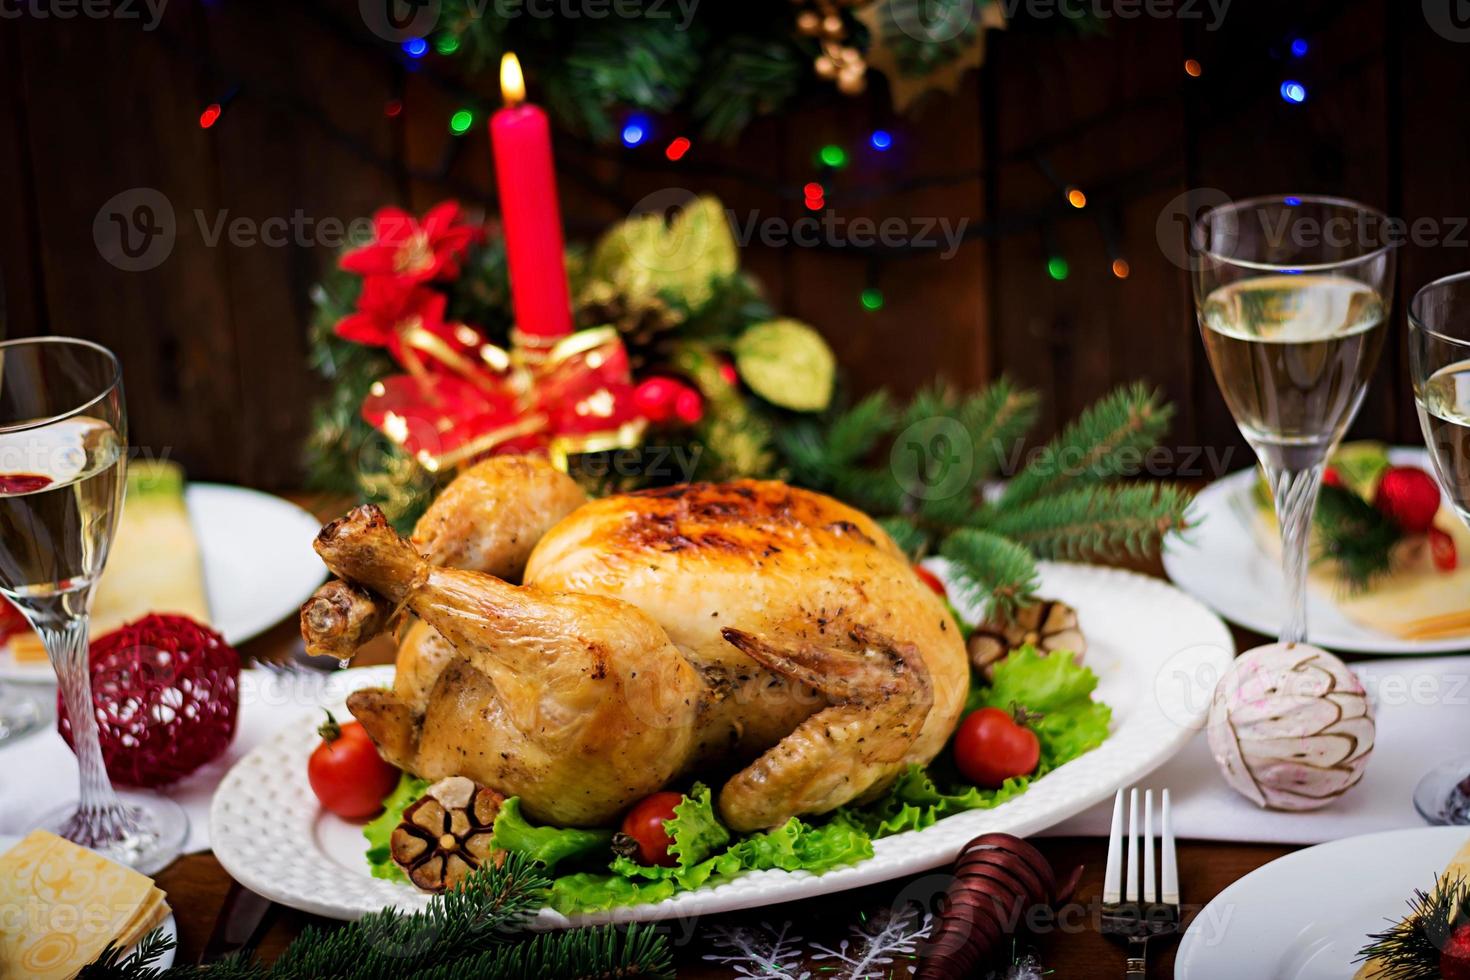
(1134, 914)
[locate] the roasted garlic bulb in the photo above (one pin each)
(1047, 624)
(446, 834)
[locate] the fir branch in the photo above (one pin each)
(1095, 522)
(601, 953)
(747, 76)
(113, 964)
(996, 418)
(469, 933)
(1354, 535)
(1411, 949)
(989, 571)
(854, 433)
(1100, 445)
(912, 541)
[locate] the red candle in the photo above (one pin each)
(521, 139)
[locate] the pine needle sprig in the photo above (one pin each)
(1411, 949)
(1109, 522)
(997, 418)
(1100, 445)
(910, 539)
(854, 433)
(990, 572)
(1354, 535)
(471, 933)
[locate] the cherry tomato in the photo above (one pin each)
(347, 774)
(1331, 478)
(1442, 548)
(931, 580)
(991, 747)
(645, 825)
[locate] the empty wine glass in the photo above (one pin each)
(1439, 363)
(1292, 295)
(63, 453)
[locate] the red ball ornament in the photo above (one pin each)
(728, 372)
(167, 695)
(654, 398)
(1409, 496)
(1454, 959)
(688, 406)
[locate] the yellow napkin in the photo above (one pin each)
(60, 906)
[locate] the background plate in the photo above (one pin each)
(1157, 653)
(259, 566)
(1224, 566)
(1306, 915)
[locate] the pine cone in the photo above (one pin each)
(643, 321)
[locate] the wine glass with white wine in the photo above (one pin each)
(63, 456)
(1439, 364)
(1292, 295)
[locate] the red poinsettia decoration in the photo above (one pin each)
(405, 318)
(414, 251)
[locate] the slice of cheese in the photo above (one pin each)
(1458, 869)
(154, 564)
(62, 904)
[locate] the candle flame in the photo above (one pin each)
(512, 82)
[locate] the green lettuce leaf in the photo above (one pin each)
(706, 854)
(696, 831)
(548, 845)
(380, 828)
(1054, 685)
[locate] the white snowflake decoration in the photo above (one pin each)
(875, 942)
(768, 953)
(872, 949)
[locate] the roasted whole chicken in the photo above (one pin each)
(583, 654)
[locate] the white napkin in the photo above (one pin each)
(38, 773)
(1422, 709)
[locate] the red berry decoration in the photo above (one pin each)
(654, 398)
(688, 405)
(1454, 959)
(1409, 497)
(167, 695)
(1442, 549)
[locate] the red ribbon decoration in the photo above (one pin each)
(575, 397)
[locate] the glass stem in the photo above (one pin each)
(1296, 501)
(101, 817)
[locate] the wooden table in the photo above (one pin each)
(197, 885)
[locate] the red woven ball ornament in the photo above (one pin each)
(167, 692)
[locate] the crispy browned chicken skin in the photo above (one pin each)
(695, 629)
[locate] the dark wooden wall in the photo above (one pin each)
(213, 338)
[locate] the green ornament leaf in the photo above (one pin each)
(684, 258)
(788, 364)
